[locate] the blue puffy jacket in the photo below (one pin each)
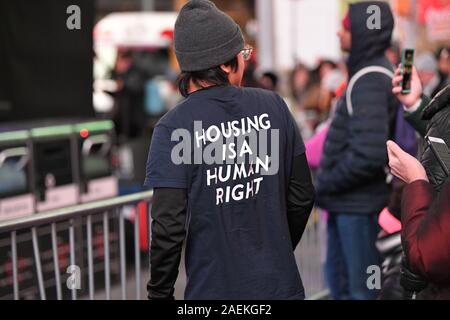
(352, 176)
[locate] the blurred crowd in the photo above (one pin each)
(311, 92)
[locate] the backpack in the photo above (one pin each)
(404, 134)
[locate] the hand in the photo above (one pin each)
(403, 165)
(411, 98)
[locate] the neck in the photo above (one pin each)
(195, 87)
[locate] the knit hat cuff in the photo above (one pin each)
(212, 57)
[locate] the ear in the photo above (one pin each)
(226, 68)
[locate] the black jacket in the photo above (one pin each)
(351, 177)
(438, 115)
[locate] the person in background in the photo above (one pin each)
(300, 82)
(324, 68)
(427, 68)
(425, 203)
(393, 54)
(316, 101)
(443, 58)
(351, 182)
(128, 115)
(311, 97)
(328, 77)
(328, 87)
(425, 221)
(269, 81)
(302, 89)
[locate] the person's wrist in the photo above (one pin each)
(411, 108)
(417, 182)
(420, 175)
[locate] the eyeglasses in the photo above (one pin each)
(247, 53)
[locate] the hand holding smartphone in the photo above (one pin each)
(406, 67)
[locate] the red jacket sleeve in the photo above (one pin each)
(426, 230)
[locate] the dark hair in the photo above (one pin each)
(215, 76)
(272, 76)
(325, 62)
(299, 67)
(440, 51)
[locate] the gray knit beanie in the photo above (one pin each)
(205, 37)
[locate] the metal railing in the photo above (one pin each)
(310, 256)
(110, 213)
(106, 209)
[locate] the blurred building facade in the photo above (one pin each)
(288, 32)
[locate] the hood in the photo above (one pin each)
(368, 44)
(439, 102)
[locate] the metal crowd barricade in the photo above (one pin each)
(309, 253)
(106, 208)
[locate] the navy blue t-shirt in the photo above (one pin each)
(232, 149)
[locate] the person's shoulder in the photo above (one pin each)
(177, 116)
(381, 69)
(261, 93)
(270, 102)
(265, 99)
(377, 76)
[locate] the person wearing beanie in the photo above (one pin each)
(229, 174)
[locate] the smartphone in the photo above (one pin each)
(407, 66)
(441, 151)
